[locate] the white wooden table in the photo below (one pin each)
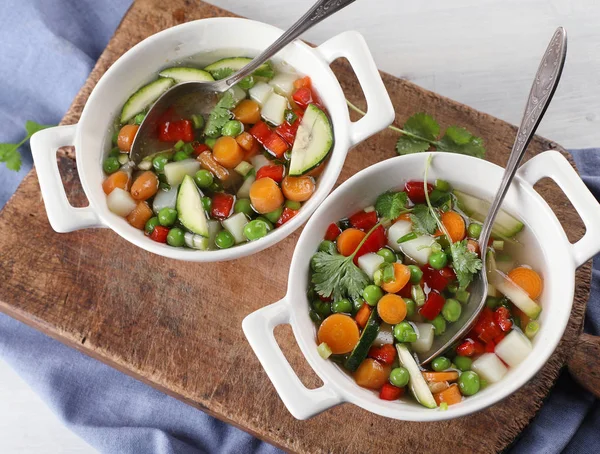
(480, 52)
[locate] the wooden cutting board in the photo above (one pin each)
(177, 326)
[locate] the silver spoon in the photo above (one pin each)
(200, 97)
(542, 90)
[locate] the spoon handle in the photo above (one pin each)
(542, 90)
(320, 10)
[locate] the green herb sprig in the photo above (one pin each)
(9, 152)
(421, 132)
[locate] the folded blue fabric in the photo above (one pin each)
(48, 50)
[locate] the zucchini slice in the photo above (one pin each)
(313, 143)
(186, 74)
(145, 97)
(417, 383)
(219, 68)
(367, 337)
(189, 208)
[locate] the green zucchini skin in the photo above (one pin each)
(367, 338)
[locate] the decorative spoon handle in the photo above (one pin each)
(542, 90)
(320, 10)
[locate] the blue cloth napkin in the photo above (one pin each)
(47, 52)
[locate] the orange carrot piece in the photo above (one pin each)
(245, 140)
(349, 240)
(126, 136)
(228, 152)
(451, 395)
(440, 376)
(530, 281)
(362, 316)
(144, 186)
(208, 162)
(371, 374)
(404, 217)
(247, 111)
(118, 179)
(140, 215)
(391, 308)
(298, 189)
(340, 332)
(455, 225)
(401, 278)
(265, 195)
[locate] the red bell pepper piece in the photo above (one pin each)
(159, 234)
(275, 145)
(470, 347)
(222, 204)
(433, 305)
(303, 97)
(174, 131)
(437, 279)
(502, 318)
(375, 241)
(333, 231)
(274, 172)
(363, 221)
(260, 131)
(200, 148)
(390, 392)
(385, 354)
(416, 191)
(490, 347)
(287, 214)
(288, 131)
(485, 327)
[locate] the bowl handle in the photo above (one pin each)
(554, 165)
(380, 111)
(301, 402)
(62, 215)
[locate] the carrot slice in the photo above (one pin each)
(349, 240)
(528, 280)
(451, 395)
(455, 225)
(362, 316)
(265, 195)
(371, 374)
(440, 376)
(118, 179)
(126, 136)
(391, 308)
(401, 278)
(228, 152)
(403, 217)
(340, 332)
(298, 189)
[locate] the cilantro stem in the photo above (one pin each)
(431, 210)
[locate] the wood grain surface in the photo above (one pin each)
(177, 326)
(584, 363)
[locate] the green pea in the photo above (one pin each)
(203, 178)
(224, 239)
(151, 224)
(399, 377)
(451, 310)
(159, 163)
(215, 187)
(440, 363)
(410, 307)
(357, 303)
(474, 230)
(315, 317)
(207, 204)
(438, 260)
(111, 165)
(256, 229)
(439, 325)
(387, 254)
(274, 216)
(415, 274)
(167, 216)
(266, 221)
(246, 83)
(463, 363)
(469, 383)
(180, 156)
(328, 246)
(210, 142)
(243, 206)
(323, 308)
(372, 294)
(115, 137)
(343, 306)
(404, 332)
(175, 237)
(139, 118)
(232, 128)
(292, 205)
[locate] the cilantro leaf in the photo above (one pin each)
(32, 127)
(465, 263)
(221, 73)
(10, 156)
(219, 115)
(6, 149)
(409, 145)
(459, 140)
(422, 125)
(391, 204)
(423, 221)
(337, 276)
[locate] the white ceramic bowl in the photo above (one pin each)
(557, 260)
(218, 37)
